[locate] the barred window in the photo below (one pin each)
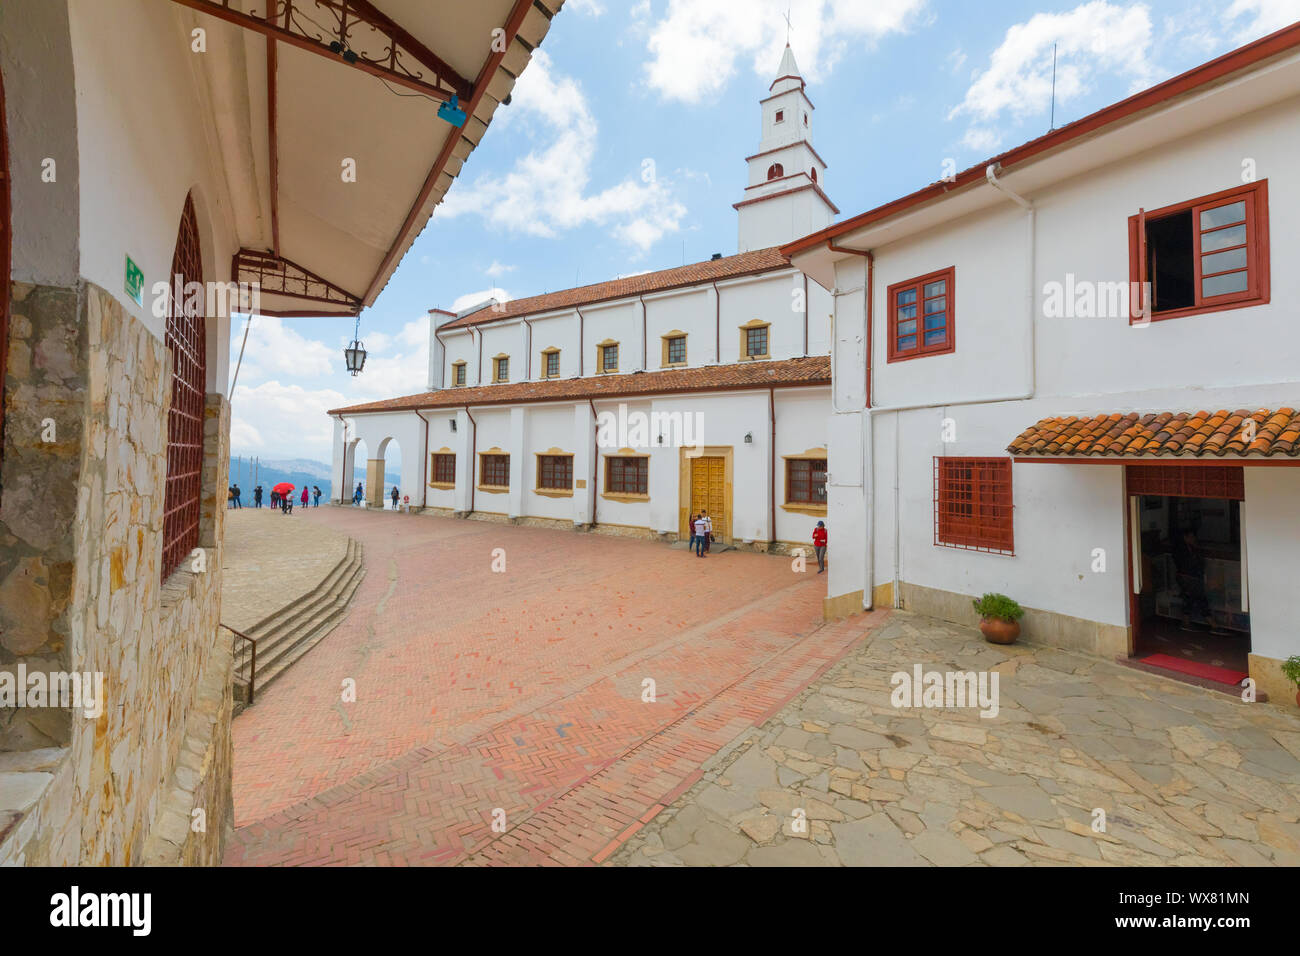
(973, 504)
(503, 369)
(186, 339)
(552, 364)
(555, 472)
(756, 341)
(609, 358)
(444, 468)
(495, 470)
(459, 375)
(805, 481)
(627, 475)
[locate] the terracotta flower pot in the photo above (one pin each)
(998, 631)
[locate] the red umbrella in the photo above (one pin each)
(283, 488)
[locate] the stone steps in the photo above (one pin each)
(286, 635)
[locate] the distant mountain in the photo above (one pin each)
(296, 471)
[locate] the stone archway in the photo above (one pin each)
(376, 470)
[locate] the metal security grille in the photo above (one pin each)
(973, 505)
(756, 341)
(1188, 481)
(186, 340)
(677, 349)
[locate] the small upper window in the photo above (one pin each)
(805, 119)
(609, 357)
(813, 173)
(756, 342)
(677, 349)
(775, 171)
(502, 368)
(458, 373)
(780, 116)
(1202, 255)
(921, 315)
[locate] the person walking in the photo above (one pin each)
(230, 496)
(315, 492)
(304, 496)
(357, 495)
(394, 497)
(257, 497)
(708, 530)
(819, 545)
(701, 534)
(691, 526)
(238, 494)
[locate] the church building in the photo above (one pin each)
(629, 405)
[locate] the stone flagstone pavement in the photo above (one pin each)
(1185, 776)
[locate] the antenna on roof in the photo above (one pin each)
(1053, 119)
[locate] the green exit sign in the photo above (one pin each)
(134, 281)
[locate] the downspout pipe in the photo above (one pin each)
(805, 314)
(424, 464)
(771, 408)
(480, 356)
(595, 458)
(442, 371)
(473, 455)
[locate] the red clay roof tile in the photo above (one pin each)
(1167, 434)
(808, 370)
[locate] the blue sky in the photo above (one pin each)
(622, 151)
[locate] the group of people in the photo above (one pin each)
(701, 526)
(283, 502)
(359, 495)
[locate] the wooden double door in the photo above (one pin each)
(709, 491)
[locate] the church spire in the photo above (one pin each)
(788, 70)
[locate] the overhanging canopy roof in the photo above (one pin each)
(327, 128)
(1263, 433)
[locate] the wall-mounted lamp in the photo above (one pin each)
(453, 423)
(661, 439)
(749, 438)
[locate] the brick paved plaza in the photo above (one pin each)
(521, 691)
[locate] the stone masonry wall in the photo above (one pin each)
(166, 720)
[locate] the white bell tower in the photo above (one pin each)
(784, 199)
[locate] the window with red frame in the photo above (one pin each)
(805, 481)
(922, 315)
(495, 470)
(972, 504)
(186, 339)
(780, 116)
(775, 171)
(628, 476)
(813, 173)
(555, 472)
(444, 468)
(1205, 254)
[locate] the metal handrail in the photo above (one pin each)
(252, 669)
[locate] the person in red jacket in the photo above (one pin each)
(819, 545)
(304, 496)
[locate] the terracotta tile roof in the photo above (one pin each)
(1167, 434)
(711, 270)
(809, 370)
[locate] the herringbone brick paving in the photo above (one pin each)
(519, 691)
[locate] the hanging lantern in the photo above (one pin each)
(355, 353)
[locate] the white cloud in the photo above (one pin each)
(275, 349)
(1266, 16)
(291, 420)
(592, 8)
(1092, 39)
(498, 269)
(476, 298)
(546, 193)
(696, 47)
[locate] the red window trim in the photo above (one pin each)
(493, 462)
(444, 467)
(780, 116)
(555, 472)
(1257, 253)
(989, 525)
(640, 473)
(950, 340)
(775, 171)
(791, 482)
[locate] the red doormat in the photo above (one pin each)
(1222, 675)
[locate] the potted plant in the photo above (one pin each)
(1291, 671)
(999, 618)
